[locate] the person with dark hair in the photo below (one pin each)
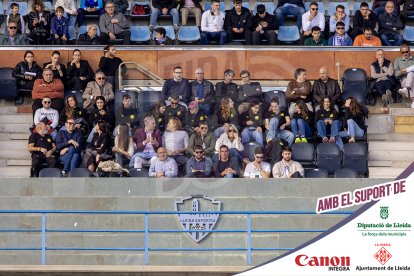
(100, 113)
(59, 27)
(379, 6)
(121, 6)
(202, 92)
(99, 145)
(249, 90)
(26, 72)
(287, 168)
(325, 87)
(147, 140)
(316, 39)
(69, 10)
(158, 112)
(367, 39)
(89, 7)
(195, 116)
(114, 25)
(299, 89)
(109, 63)
(199, 165)
(225, 166)
(227, 88)
(204, 138)
(126, 114)
(47, 115)
(176, 110)
(124, 145)
(39, 23)
(390, 26)
(293, 8)
(164, 7)
(312, 18)
(302, 122)
(364, 17)
(42, 149)
(58, 69)
(72, 110)
(11, 37)
(212, 22)
(354, 117)
(161, 37)
(252, 123)
(382, 72)
(16, 17)
(177, 86)
(327, 123)
(257, 168)
(90, 37)
(339, 16)
(99, 87)
(264, 25)
(69, 143)
(238, 23)
(48, 86)
(407, 10)
(79, 72)
(340, 38)
(276, 122)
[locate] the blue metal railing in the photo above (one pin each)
(147, 231)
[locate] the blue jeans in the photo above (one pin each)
(71, 27)
(275, 132)
(385, 39)
(249, 132)
(353, 130)
(156, 12)
(321, 128)
(229, 175)
(70, 159)
(284, 11)
(206, 108)
(299, 125)
(218, 36)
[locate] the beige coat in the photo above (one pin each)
(92, 89)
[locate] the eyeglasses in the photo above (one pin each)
(173, 103)
(70, 123)
(314, 9)
(203, 127)
(405, 52)
(100, 78)
(198, 152)
(259, 157)
(340, 28)
(46, 102)
(13, 28)
(230, 130)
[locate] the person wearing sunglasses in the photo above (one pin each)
(11, 37)
(198, 165)
(99, 87)
(340, 38)
(195, 116)
(403, 70)
(202, 137)
(47, 115)
(176, 110)
(339, 16)
(257, 168)
(390, 26)
(312, 18)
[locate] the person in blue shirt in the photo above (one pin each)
(340, 38)
(59, 28)
(89, 7)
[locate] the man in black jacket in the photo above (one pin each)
(238, 23)
(265, 26)
(362, 19)
(390, 26)
(325, 87)
(177, 86)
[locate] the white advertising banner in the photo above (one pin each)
(378, 239)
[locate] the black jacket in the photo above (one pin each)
(233, 20)
(40, 25)
(329, 89)
(95, 116)
(298, 3)
(56, 74)
(160, 4)
(269, 18)
(109, 65)
(85, 39)
(208, 91)
(360, 22)
(22, 67)
(85, 70)
(387, 22)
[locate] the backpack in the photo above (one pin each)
(273, 150)
(140, 9)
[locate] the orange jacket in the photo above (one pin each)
(54, 90)
(360, 40)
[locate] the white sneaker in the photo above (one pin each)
(403, 92)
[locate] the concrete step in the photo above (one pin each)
(390, 137)
(19, 162)
(8, 110)
(380, 124)
(14, 154)
(16, 119)
(15, 172)
(19, 136)
(404, 111)
(389, 163)
(390, 155)
(391, 145)
(15, 144)
(15, 128)
(381, 172)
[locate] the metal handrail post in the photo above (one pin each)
(146, 257)
(43, 238)
(249, 239)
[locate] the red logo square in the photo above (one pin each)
(383, 255)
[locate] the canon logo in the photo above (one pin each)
(303, 260)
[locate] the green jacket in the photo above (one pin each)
(209, 142)
(18, 40)
(310, 42)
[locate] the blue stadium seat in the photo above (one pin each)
(355, 84)
(249, 148)
(8, 86)
(332, 7)
(408, 34)
(328, 157)
(189, 34)
(139, 172)
(208, 6)
(23, 7)
(50, 172)
(321, 7)
(288, 34)
(169, 31)
(270, 7)
(316, 173)
(269, 95)
(304, 153)
(345, 173)
(48, 6)
(356, 157)
(140, 34)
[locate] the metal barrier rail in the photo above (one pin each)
(146, 249)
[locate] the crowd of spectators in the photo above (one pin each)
(381, 25)
(197, 129)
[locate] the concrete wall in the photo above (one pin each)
(156, 195)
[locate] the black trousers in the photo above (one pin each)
(39, 161)
(125, 36)
(247, 35)
(76, 84)
(269, 35)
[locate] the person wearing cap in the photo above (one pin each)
(195, 116)
(212, 22)
(202, 91)
(265, 26)
(238, 23)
